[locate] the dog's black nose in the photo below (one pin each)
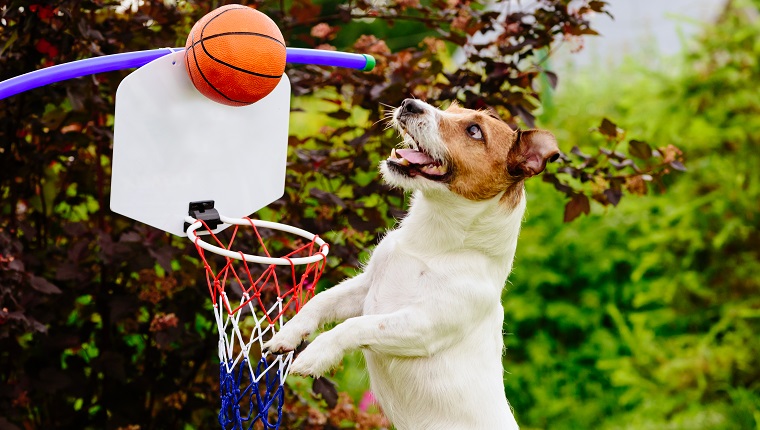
(411, 106)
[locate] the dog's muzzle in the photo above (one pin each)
(414, 161)
(409, 108)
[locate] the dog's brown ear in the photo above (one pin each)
(531, 152)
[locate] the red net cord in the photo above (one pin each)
(294, 291)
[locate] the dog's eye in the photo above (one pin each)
(475, 132)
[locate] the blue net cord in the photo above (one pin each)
(257, 394)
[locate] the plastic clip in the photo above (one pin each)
(204, 211)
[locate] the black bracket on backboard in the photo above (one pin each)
(204, 211)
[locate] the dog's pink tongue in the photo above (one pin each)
(415, 157)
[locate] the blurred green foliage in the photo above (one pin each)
(647, 316)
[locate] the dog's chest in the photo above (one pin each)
(397, 279)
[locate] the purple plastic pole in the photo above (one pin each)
(319, 57)
(130, 60)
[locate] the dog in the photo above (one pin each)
(426, 310)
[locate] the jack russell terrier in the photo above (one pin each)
(426, 311)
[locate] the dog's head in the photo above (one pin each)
(471, 153)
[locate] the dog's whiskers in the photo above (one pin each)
(379, 121)
(388, 118)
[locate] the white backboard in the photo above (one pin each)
(173, 146)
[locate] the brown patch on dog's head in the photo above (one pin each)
(488, 157)
(473, 153)
(478, 147)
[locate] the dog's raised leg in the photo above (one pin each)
(419, 330)
(345, 300)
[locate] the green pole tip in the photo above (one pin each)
(370, 63)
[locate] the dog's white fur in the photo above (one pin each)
(426, 310)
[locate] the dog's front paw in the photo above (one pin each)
(320, 356)
(288, 338)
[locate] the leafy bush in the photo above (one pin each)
(645, 317)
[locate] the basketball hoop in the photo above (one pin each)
(250, 388)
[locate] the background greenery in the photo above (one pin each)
(646, 316)
(640, 316)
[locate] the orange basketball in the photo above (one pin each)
(235, 55)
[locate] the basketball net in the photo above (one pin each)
(250, 306)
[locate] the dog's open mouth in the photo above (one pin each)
(412, 162)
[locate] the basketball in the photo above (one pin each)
(235, 55)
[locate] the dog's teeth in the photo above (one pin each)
(432, 169)
(400, 160)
